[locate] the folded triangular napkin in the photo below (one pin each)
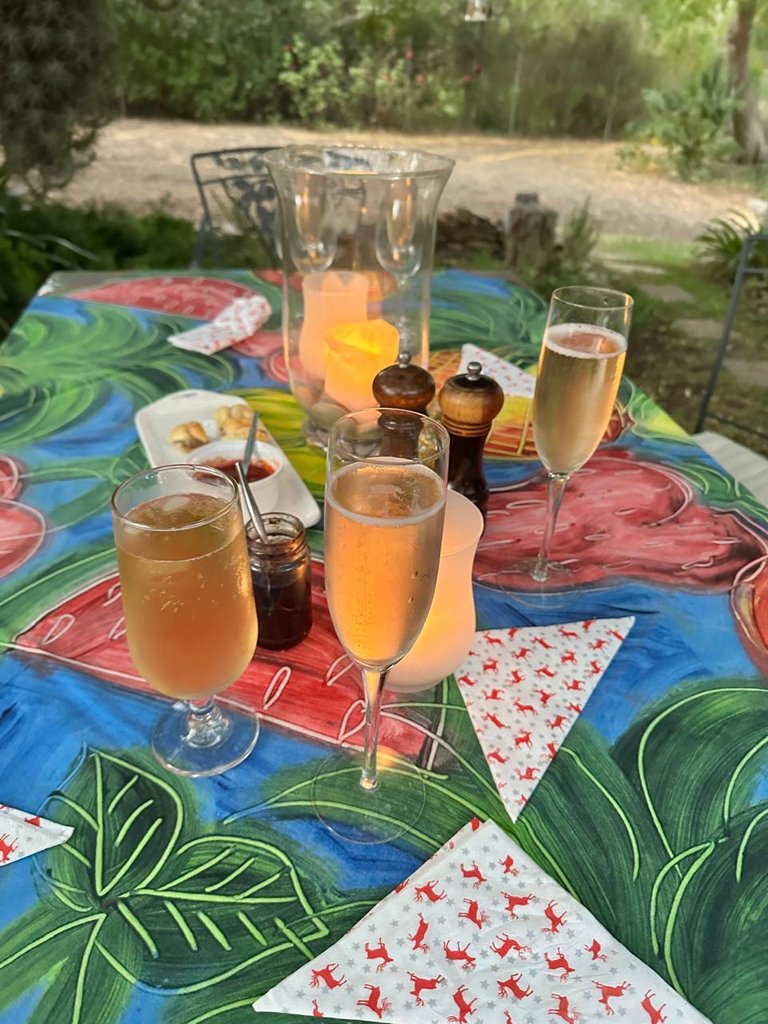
(525, 687)
(23, 834)
(236, 322)
(479, 935)
(511, 379)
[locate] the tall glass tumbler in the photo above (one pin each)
(190, 617)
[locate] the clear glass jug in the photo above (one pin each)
(357, 241)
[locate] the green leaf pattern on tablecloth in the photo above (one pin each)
(140, 894)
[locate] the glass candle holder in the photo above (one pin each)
(358, 237)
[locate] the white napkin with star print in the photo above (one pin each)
(22, 834)
(525, 687)
(479, 935)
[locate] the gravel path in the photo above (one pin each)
(142, 163)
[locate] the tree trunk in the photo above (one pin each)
(748, 129)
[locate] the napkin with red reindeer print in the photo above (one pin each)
(23, 834)
(525, 687)
(479, 935)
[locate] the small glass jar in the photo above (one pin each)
(281, 573)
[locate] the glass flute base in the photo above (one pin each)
(209, 744)
(368, 816)
(557, 590)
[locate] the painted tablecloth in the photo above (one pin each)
(181, 902)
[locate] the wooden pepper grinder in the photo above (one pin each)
(469, 402)
(396, 387)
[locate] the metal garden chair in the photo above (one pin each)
(237, 197)
(747, 466)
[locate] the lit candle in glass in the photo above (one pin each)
(447, 636)
(356, 353)
(330, 297)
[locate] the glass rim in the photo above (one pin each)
(442, 164)
(375, 412)
(189, 468)
(560, 294)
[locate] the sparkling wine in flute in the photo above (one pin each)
(386, 520)
(187, 597)
(582, 356)
(579, 374)
(383, 533)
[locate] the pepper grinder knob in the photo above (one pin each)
(398, 388)
(404, 385)
(469, 403)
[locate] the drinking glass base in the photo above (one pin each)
(368, 816)
(557, 591)
(187, 747)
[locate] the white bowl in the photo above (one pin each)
(224, 453)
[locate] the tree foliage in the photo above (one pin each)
(55, 93)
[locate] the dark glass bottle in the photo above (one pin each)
(469, 402)
(281, 573)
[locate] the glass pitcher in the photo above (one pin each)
(357, 237)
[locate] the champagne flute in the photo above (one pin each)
(399, 242)
(190, 615)
(383, 529)
(582, 356)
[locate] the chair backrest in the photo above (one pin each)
(746, 267)
(237, 194)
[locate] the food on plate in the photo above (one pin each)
(234, 420)
(188, 436)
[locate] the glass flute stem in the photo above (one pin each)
(206, 725)
(373, 684)
(556, 484)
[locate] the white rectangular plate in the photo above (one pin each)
(154, 422)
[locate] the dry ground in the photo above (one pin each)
(141, 163)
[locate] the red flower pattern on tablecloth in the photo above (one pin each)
(621, 517)
(196, 296)
(483, 963)
(22, 528)
(290, 688)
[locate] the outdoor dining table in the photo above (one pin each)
(653, 814)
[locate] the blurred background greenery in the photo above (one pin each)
(681, 85)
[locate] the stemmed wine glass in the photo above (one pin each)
(399, 241)
(384, 507)
(190, 615)
(582, 356)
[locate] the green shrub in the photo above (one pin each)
(314, 77)
(719, 245)
(38, 238)
(692, 124)
(207, 60)
(55, 87)
(583, 76)
(572, 259)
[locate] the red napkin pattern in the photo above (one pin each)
(479, 935)
(236, 322)
(23, 834)
(524, 688)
